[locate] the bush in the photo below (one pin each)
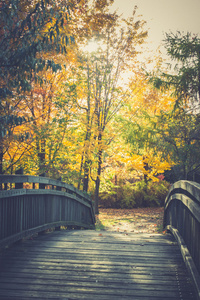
(133, 195)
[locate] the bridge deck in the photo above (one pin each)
(95, 265)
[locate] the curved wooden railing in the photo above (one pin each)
(182, 218)
(31, 204)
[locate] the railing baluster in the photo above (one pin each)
(26, 211)
(182, 218)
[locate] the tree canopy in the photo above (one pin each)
(65, 111)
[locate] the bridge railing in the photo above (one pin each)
(31, 204)
(182, 218)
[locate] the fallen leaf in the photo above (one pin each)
(145, 220)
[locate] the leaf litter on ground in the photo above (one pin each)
(136, 220)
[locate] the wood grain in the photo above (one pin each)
(87, 264)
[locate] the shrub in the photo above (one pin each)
(132, 195)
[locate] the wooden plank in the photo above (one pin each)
(92, 277)
(102, 260)
(134, 290)
(41, 295)
(95, 265)
(98, 276)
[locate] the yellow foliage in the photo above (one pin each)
(129, 165)
(146, 98)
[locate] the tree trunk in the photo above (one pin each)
(96, 203)
(1, 162)
(97, 182)
(199, 75)
(86, 175)
(87, 162)
(116, 189)
(146, 167)
(41, 147)
(80, 173)
(1, 158)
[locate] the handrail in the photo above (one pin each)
(182, 218)
(31, 204)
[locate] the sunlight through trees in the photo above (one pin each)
(66, 110)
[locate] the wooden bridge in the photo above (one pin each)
(89, 264)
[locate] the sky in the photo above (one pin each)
(163, 16)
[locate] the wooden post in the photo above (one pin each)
(42, 185)
(58, 228)
(19, 172)
(58, 188)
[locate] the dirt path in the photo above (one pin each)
(138, 220)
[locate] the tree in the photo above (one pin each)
(48, 120)
(184, 50)
(182, 135)
(27, 30)
(159, 127)
(104, 96)
(33, 35)
(180, 139)
(141, 130)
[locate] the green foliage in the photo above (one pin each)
(184, 50)
(180, 140)
(28, 31)
(24, 35)
(133, 195)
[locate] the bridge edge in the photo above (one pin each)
(192, 270)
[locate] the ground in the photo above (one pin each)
(138, 220)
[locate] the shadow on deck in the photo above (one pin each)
(88, 264)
